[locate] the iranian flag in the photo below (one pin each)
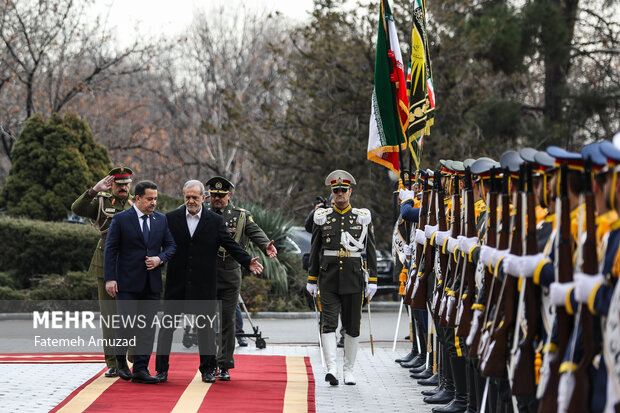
(390, 107)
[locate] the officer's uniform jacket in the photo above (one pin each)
(336, 269)
(242, 228)
(99, 207)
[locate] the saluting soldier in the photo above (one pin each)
(99, 204)
(242, 228)
(339, 237)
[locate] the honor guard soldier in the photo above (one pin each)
(339, 237)
(242, 228)
(99, 204)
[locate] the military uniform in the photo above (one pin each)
(338, 239)
(242, 228)
(100, 207)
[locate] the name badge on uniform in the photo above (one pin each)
(356, 227)
(109, 210)
(326, 227)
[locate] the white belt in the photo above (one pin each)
(341, 253)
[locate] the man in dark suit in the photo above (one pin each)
(191, 280)
(138, 243)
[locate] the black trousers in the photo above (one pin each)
(348, 306)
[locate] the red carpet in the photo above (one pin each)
(26, 358)
(258, 384)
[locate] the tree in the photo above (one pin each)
(54, 160)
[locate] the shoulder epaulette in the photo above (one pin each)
(363, 215)
(320, 215)
(104, 194)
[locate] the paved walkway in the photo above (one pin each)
(382, 385)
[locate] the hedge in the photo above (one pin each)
(32, 248)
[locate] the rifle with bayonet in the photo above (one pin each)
(524, 372)
(448, 307)
(564, 274)
(440, 273)
(494, 364)
(418, 299)
(468, 283)
(580, 399)
(491, 237)
(419, 248)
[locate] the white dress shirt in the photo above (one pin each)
(140, 220)
(192, 221)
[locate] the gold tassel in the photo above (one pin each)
(401, 289)
(403, 275)
(537, 366)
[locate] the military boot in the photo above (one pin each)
(350, 351)
(329, 351)
(447, 393)
(459, 402)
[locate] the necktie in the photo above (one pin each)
(145, 228)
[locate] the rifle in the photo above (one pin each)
(494, 364)
(419, 290)
(580, 399)
(443, 258)
(491, 238)
(448, 307)
(418, 250)
(491, 306)
(466, 295)
(524, 380)
(564, 271)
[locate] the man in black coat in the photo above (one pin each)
(191, 280)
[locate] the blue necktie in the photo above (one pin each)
(145, 228)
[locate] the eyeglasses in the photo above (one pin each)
(341, 190)
(217, 195)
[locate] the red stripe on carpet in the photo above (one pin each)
(51, 358)
(258, 384)
(311, 403)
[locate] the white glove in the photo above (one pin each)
(405, 194)
(528, 264)
(497, 255)
(452, 243)
(440, 237)
(467, 243)
(475, 322)
(311, 288)
(429, 230)
(486, 253)
(371, 289)
(420, 238)
(584, 284)
(558, 291)
(511, 266)
(407, 250)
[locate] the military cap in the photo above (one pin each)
(340, 179)
(546, 162)
(527, 154)
(562, 156)
(446, 166)
(458, 167)
(611, 152)
(482, 167)
(512, 161)
(592, 151)
(121, 174)
(468, 162)
(219, 185)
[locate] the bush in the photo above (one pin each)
(7, 279)
(72, 286)
(35, 247)
(8, 293)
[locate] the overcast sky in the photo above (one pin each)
(155, 17)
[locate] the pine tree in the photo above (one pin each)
(54, 161)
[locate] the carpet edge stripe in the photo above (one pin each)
(296, 393)
(193, 395)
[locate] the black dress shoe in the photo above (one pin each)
(441, 397)
(143, 376)
(333, 380)
(209, 377)
(243, 342)
(223, 375)
(111, 372)
(431, 381)
(455, 406)
(340, 343)
(418, 369)
(422, 375)
(432, 391)
(417, 361)
(162, 376)
(407, 358)
(123, 370)
(407, 337)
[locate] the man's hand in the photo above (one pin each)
(255, 266)
(104, 184)
(311, 288)
(152, 262)
(271, 250)
(371, 289)
(111, 288)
